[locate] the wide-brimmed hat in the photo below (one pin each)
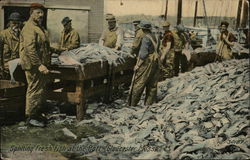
(145, 25)
(15, 16)
(66, 20)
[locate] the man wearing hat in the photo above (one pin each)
(167, 52)
(35, 59)
(70, 39)
(9, 44)
(180, 42)
(138, 37)
(225, 42)
(146, 70)
(113, 36)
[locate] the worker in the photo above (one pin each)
(9, 44)
(180, 42)
(225, 42)
(35, 59)
(70, 38)
(146, 70)
(167, 52)
(138, 37)
(113, 36)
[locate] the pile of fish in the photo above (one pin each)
(200, 114)
(92, 52)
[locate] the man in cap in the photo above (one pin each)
(138, 37)
(70, 39)
(35, 59)
(180, 42)
(113, 36)
(167, 52)
(225, 42)
(9, 44)
(146, 69)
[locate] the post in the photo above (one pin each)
(166, 10)
(80, 108)
(239, 14)
(195, 12)
(179, 12)
(245, 14)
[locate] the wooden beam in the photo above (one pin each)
(81, 107)
(166, 10)
(179, 12)
(195, 13)
(239, 14)
(245, 14)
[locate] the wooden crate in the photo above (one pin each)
(12, 101)
(80, 83)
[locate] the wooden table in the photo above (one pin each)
(78, 83)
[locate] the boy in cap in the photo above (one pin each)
(225, 42)
(70, 38)
(113, 36)
(167, 52)
(35, 59)
(138, 37)
(9, 44)
(146, 69)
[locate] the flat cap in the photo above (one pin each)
(224, 23)
(34, 6)
(136, 22)
(66, 20)
(15, 16)
(180, 28)
(110, 17)
(145, 25)
(37, 5)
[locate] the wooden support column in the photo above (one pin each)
(239, 14)
(80, 107)
(179, 13)
(245, 14)
(195, 13)
(166, 10)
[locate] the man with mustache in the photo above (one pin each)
(35, 58)
(9, 44)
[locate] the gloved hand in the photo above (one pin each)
(43, 69)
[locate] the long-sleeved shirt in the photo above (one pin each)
(9, 47)
(70, 40)
(34, 46)
(147, 46)
(112, 38)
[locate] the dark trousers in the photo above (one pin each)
(180, 62)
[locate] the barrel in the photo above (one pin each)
(12, 101)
